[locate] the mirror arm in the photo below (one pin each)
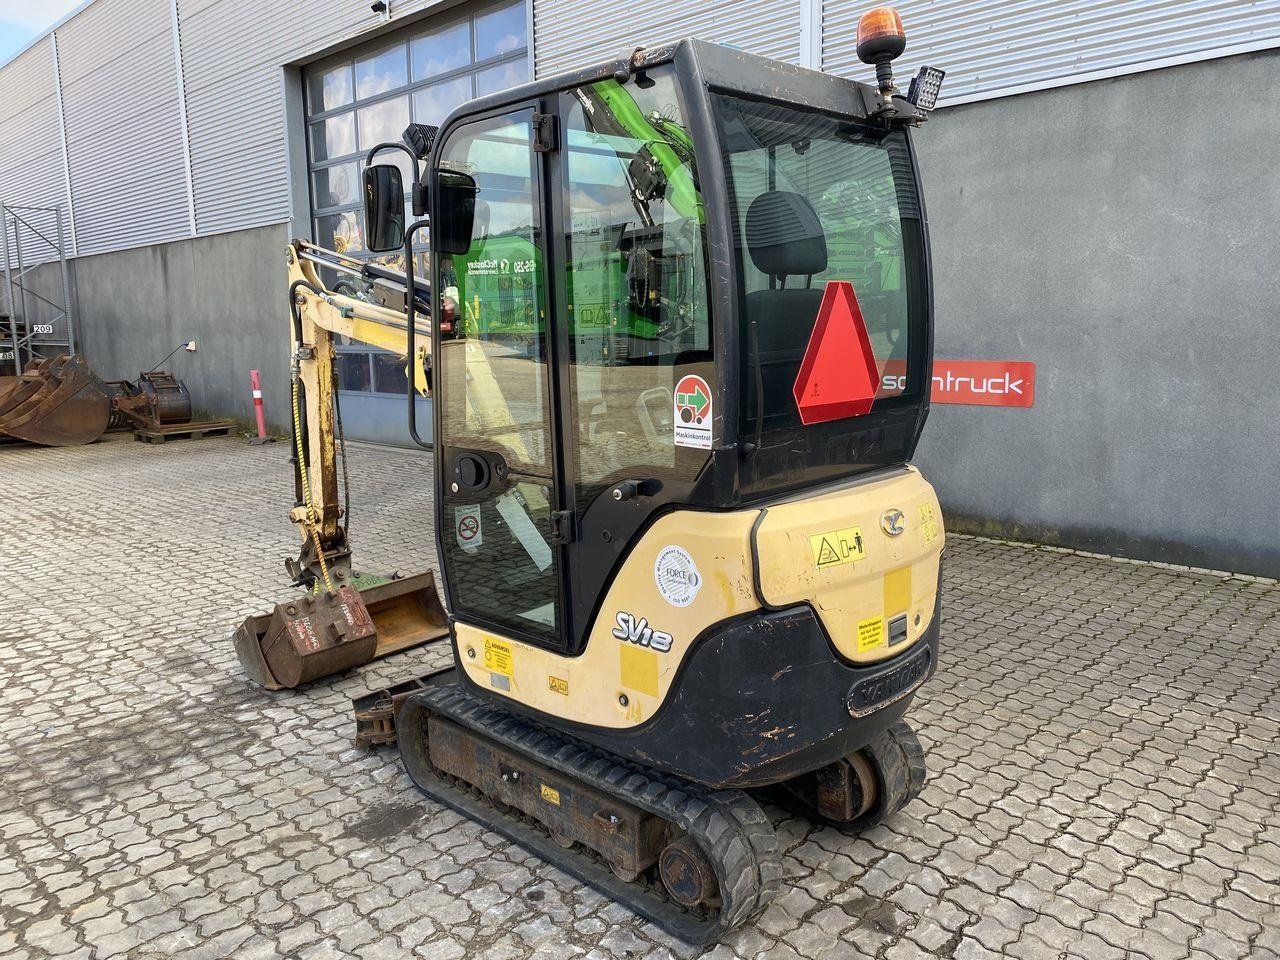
(411, 323)
(392, 145)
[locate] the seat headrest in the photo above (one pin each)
(784, 235)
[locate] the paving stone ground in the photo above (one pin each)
(1104, 778)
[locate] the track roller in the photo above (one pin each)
(864, 788)
(696, 862)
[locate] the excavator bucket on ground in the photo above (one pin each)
(56, 402)
(320, 634)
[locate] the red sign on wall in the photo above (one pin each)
(986, 383)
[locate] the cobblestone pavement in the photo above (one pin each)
(1102, 751)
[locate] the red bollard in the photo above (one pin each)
(256, 384)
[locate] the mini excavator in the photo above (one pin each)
(676, 325)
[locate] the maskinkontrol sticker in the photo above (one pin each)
(677, 576)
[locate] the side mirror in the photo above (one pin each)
(455, 211)
(383, 208)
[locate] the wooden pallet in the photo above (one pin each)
(185, 431)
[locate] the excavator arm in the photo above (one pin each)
(318, 314)
(346, 619)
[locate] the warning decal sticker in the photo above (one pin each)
(692, 414)
(870, 634)
(836, 547)
(467, 527)
(498, 657)
(928, 523)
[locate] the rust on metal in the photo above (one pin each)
(56, 402)
(315, 636)
(627, 838)
(156, 399)
(318, 635)
(376, 713)
(687, 874)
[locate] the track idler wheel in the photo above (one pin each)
(864, 788)
(687, 874)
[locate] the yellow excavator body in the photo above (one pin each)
(677, 333)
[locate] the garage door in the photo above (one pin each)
(367, 96)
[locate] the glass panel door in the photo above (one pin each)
(493, 386)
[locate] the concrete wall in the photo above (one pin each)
(1122, 235)
(226, 292)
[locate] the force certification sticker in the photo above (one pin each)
(677, 576)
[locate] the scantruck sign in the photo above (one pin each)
(987, 383)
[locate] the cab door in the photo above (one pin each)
(498, 485)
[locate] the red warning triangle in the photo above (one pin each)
(838, 376)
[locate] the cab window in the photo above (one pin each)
(817, 198)
(638, 315)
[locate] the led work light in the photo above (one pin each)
(925, 85)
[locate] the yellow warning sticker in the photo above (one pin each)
(928, 523)
(549, 794)
(870, 634)
(557, 685)
(497, 656)
(836, 547)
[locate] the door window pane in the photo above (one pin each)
(441, 51)
(330, 89)
(500, 300)
(432, 104)
(500, 31)
(340, 232)
(502, 77)
(381, 122)
(493, 389)
(382, 72)
(353, 372)
(389, 374)
(637, 288)
(335, 137)
(336, 186)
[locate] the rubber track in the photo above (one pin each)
(728, 825)
(898, 761)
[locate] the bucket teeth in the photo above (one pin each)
(57, 403)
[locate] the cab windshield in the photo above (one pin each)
(817, 198)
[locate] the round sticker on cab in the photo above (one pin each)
(677, 576)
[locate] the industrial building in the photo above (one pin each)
(1100, 180)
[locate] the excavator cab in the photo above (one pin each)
(633, 307)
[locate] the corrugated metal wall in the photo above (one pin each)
(997, 47)
(124, 124)
(124, 138)
(569, 33)
(30, 140)
(235, 99)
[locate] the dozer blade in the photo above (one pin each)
(56, 403)
(318, 635)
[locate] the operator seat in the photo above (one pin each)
(785, 239)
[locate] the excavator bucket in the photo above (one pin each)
(321, 634)
(57, 403)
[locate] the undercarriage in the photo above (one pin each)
(694, 860)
